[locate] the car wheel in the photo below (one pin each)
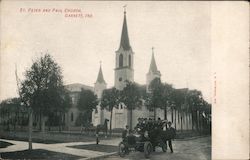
(164, 146)
(122, 149)
(147, 149)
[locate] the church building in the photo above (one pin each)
(124, 70)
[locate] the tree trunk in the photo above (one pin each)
(197, 120)
(191, 121)
(110, 122)
(131, 118)
(187, 120)
(15, 121)
(172, 115)
(175, 118)
(30, 128)
(181, 122)
(40, 121)
(21, 121)
(201, 122)
(165, 113)
(60, 121)
(43, 126)
(8, 122)
(178, 116)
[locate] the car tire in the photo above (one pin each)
(122, 149)
(147, 149)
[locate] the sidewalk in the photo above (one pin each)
(85, 153)
(62, 148)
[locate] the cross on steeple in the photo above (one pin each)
(100, 63)
(125, 8)
(153, 49)
(124, 44)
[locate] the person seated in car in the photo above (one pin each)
(150, 124)
(160, 123)
(125, 132)
(139, 123)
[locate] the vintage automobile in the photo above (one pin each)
(145, 141)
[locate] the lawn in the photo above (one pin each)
(36, 140)
(49, 137)
(97, 147)
(38, 154)
(5, 144)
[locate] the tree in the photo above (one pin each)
(131, 97)
(56, 116)
(42, 89)
(110, 100)
(178, 97)
(66, 103)
(87, 103)
(167, 98)
(155, 98)
(10, 110)
(194, 100)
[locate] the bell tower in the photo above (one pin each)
(153, 72)
(100, 84)
(124, 66)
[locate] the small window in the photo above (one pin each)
(120, 60)
(72, 116)
(73, 100)
(121, 106)
(120, 79)
(129, 60)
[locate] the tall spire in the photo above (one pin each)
(100, 78)
(153, 67)
(124, 37)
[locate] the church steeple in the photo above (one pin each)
(100, 83)
(153, 67)
(124, 65)
(153, 71)
(124, 37)
(100, 78)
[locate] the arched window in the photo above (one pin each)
(72, 116)
(129, 60)
(73, 99)
(120, 60)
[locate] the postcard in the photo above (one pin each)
(124, 80)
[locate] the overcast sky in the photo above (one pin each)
(179, 32)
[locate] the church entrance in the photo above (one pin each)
(119, 120)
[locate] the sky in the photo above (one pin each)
(178, 31)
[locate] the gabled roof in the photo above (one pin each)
(77, 87)
(124, 37)
(100, 78)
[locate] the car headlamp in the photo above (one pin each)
(146, 134)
